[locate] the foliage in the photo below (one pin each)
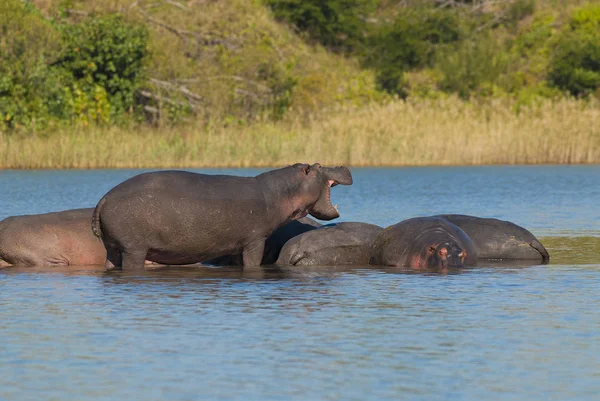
(410, 42)
(337, 24)
(105, 56)
(474, 65)
(53, 71)
(76, 62)
(519, 9)
(575, 64)
(29, 88)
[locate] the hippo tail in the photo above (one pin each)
(96, 224)
(537, 245)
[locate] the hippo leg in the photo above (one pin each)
(253, 253)
(114, 261)
(134, 259)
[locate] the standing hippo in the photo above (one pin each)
(180, 217)
(330, 245)
(52, 239)
(499, 239)
(424, 242)
(273, 244)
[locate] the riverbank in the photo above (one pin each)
(412, 133)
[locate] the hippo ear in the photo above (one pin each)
(431, 249)
(306, 169)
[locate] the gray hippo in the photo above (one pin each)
(424, 242)
(273, 244)
(180, 217)
(330, 245)
(499, 239)
(51, 239)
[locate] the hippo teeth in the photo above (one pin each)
(335, 207)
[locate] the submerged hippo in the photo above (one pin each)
(51, 239)
(424, 242)
(273, 244)
(180, 217)
(499, 239)
(333, 244)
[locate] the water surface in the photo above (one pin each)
(499, 333)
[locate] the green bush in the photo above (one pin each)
(575, 64)
(473, 66)
(52, 70)
(519, 9)
(105, 57)
(29, 88)
(410, 42)
(337, 24)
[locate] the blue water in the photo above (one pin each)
(319, 334)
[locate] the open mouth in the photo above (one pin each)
(331, 184)
(323, 209)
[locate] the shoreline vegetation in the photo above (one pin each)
(415, 132)
(266, 83)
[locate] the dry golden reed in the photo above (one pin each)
(412, 133)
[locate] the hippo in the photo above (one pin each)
(499, 239)
(424, 242)
(181, 217)
(330, 245)
(52, 239)
(273, 244)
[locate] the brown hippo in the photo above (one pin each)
(424, 242)
(331, 245)
(180, 217)
(499, 239)
(60, 238)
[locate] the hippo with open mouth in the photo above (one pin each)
(180, 217)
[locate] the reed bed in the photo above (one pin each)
(401, 133)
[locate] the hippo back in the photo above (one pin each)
(331, 245)
(499, 239)
(57, 238)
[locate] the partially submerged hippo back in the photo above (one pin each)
(499, 239)
(282, 235)
(59, 238)
(330, 245)
(424, 242)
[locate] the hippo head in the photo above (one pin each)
(446, 254)
(314, 194)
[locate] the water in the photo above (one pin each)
(319, 334)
